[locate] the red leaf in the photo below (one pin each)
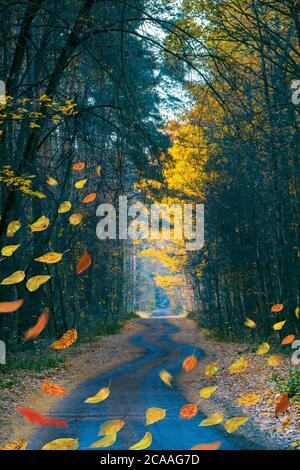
(189, 363)
(36, 418)
(282, 405)
(277, 308)
(84, 263)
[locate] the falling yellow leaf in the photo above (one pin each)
(35, 282)
(18, 445)
(66, 340)
(155, 414)
(166, 377)
(12, 228)
(207, 392)
(64, 207)
(52, 181)
(263, 349)
(278, 326)
(14, 278)
(80, 184)
(143, 443)
(62, 444)
(75, 219)
(234, 423)
(248, 399)
(238, 366)
(211, 369)
(212, 420)
(250, 323)
(107, 441)
(98, 170)
(274, 360)
(50, 258)
(111, 427)
(102, 395)
(40, 225)
(9, 250)
(297, 312)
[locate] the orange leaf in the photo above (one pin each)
(52, 389)
(282, 405)
(79, 166)
(189, 363)
(39, 327)
(188, 411)
(211, 446)
(277, 308)
(84, 263)
(66, 340)
(9, 307)
(90, 198)
(288, 340)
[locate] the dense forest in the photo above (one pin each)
(93, 93)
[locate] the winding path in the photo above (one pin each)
(135, 387)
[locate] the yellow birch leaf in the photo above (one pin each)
(75, 219)
(18, 445)
(98, 170)
(211, 369)
(35, 282)
(14, 278)
(207, 392)
(64, 207)
(143, 443)
(50, 258)
(111, 427)
(250, 323)
(62, 444)
(102, 395)
(107, 441)
(263, 349)
(274, 360)
(238, 366)
(212, 420)
(297, 312)
(12, 228)
(52, 181)
(234, 423)
(248, 399)
(155, 414)
(166, 377)
(80, 184)
(9, 250)
(40, 225)
(278, 326)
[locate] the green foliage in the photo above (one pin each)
(39, 361)
(290, 385)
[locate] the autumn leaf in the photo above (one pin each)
(90, 198)
(80, 184)
(36, 418)
(166, 377)
(210, 446)
(238, 366)
(263, 349)
(53, 389)
(14, 278)
(102, 395)
(233, 424)
(62, 444)
(84, 263)
(277, 308)
(36, 330)
(212, 420)
(288, 340)
(98, 170)
(10, 307)
(66, 340)
(40, 225)
(106, 441)
(79, 166)
(155, 414)
(35, 282)
(297, 312)
(188, 411)
(282, 405)
(249, 399)
(250, 323)
(274, 360)
(111, 427)
(64, 207)
(211, 369)
(189, 363)
(143, 443)
(17, 445)
(207, 392)
(75, 219)
(52, 181)
(12, 228)
(9, 250)
(278, 326)
(50, 258)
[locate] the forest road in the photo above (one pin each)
(135, 387)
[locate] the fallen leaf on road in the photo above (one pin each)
(17, 445)
(155, 414)
(212, 420)
(238, 366)
(210, 446)
(111, 427)
(102, 395)
(107, 441)
(207, 392)
(62, 444)
(188, 411)
(282, 405)
(53, 389)
(249, 399)
(234, 423)
(143, 443)
(211, 369)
